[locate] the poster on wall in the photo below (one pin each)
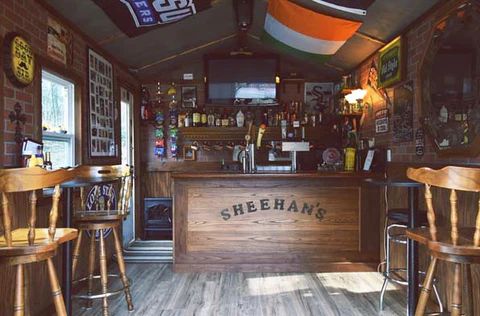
(403, 113)
(318, 96)
(59, 42)
(381, 121)
(390, 63)
(101, 110)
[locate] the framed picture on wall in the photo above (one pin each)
(101, 111)
(189, 97)
(189, 153)
(391, 63)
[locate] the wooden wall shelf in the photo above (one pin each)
(319, 133)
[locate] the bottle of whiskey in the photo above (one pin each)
(211, 118)
(203, 118)
(196, 118)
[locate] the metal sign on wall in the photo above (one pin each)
(19, 59)
(381, 121)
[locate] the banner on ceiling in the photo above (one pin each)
(135, 17)
(305, 33)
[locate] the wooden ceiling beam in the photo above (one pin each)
(369, 38)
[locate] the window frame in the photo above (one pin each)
(68, 137)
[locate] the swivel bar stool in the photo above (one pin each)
(98, 217)
(459, 246)
(22, 246)
(395, 232)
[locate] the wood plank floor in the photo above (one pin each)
(158, 291)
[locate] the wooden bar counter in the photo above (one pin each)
(274, 222)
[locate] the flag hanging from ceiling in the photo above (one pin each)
(305, 33)
(351, 6)
(135, 17)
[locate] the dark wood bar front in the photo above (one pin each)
(273, 222)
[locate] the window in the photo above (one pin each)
(58, 120)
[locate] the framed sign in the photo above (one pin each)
(101, 114)
(403, 113)
(189, 97)
(381, 121)
(317, 96)
(19, 60)
(59, 42)
(390, 63)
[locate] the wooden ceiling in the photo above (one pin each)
(168, 51)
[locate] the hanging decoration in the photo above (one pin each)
(173, 121)
(19, 60)
(135, 17)
(16, 116)
(159, 149)
(305, 33)
(420, 142)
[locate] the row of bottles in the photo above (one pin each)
(291, 112)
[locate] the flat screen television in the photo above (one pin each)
(245, 80)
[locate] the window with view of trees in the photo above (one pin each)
(58, 120)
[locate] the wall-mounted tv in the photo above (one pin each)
(241, 79)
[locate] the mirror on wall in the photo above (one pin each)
(449, 78)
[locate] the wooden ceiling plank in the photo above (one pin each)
(185, 52)
(92, 43)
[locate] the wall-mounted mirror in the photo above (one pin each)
(449, 79)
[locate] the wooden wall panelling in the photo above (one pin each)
(2, 109)
(270, 240)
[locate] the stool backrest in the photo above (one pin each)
(455, 179)
(30, 180)
(109, 173)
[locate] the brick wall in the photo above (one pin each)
(30, 18)
(417, 40)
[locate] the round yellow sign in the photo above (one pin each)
(20, 66)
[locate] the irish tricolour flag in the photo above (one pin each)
(305, 33)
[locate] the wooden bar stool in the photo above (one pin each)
(101, 211)
(458, 245)
(27, 245)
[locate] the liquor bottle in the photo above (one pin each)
(232, 122)
(218, 120)
(240, 118)
(203, 118)
(48, 162)
(188, 120)
(225, 120)
(196, 118)
(181, 119)
(211, 119)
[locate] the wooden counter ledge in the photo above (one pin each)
(317, 221)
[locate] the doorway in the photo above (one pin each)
(127, 149)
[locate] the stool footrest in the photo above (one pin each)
(100, 295)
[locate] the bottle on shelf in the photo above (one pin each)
(240, 118)
(188, 120)
(211, 119)
(203, 118)
(196, 118)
